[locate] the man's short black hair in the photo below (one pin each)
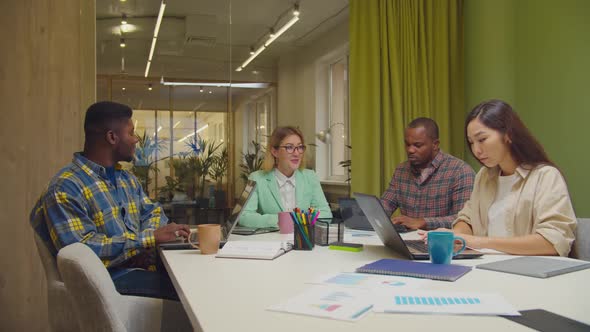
(429, 125)
(104, 116)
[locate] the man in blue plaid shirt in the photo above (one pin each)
(93, 201)
(431, 186)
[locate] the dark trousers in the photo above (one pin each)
(139, 282)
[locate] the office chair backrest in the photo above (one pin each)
(581, 247)
(60, 309)
(91, 288)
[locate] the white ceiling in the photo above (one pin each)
(220, 32)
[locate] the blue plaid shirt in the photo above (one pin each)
(81, 204)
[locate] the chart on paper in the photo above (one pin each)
(369, 281)
(437, 302)
(415, 300)
(348, 304)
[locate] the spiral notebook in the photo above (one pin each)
(396, 267)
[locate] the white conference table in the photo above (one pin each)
(221, 294)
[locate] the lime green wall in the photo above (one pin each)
(535, 54)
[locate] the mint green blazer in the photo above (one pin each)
(265, 203)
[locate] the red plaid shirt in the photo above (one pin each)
(447, 185)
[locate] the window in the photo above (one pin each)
(332, 118)
(337, 145)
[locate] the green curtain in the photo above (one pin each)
(406, 61)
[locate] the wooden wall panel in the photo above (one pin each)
(47, 80)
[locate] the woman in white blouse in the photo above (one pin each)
(520, 203)
(283, 183)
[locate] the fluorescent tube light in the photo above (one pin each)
(273, 36)
(281, 30)
(155, 39)
(217, 84)
(147, 68)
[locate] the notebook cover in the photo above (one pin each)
(396, 267)
(538, 267)
(545, 321)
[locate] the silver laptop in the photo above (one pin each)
(226, 227)
(410, 249)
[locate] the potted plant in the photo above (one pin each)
(347, 164)
(217, 172)
(173, 189)
(200, 162)
(251, 161)
(184, 176)
(145, 158)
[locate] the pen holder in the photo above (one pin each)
(303, 237)
(328, 231)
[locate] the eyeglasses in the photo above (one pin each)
(292, 148)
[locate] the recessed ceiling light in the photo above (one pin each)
(123, 89)
(124, 19)
(210, 91)
(122, 44)
(150, 86)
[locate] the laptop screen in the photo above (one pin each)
(233, 219)
(353, 215)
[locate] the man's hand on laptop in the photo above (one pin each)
(170, 232)
(411, 223)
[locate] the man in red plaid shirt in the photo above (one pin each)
(431, 186)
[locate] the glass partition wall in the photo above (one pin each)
(192, 137)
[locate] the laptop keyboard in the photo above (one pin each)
(417, 245)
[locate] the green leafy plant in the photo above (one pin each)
(184, 174)
(251, 161)
(145, 158)
(347, 164)
(219, 167)
(172, 186)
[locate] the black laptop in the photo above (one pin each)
(226, 227)
(410, 249)
(353, 216)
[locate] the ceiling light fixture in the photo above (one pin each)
(150, 87)
(122, 44)
(155, 37)
(251, 50)
(272, 37)
(210, 92)
(123, 89)
(217, 84)
(124, 19)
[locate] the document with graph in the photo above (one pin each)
(438, 302)
(339, 303)
(369, 281)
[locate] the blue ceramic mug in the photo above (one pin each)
(441, 245)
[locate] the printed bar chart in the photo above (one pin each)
(435, 301)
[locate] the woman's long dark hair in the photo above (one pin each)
(498, 115)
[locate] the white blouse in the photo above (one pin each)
(287, 190)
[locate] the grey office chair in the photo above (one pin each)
(101, 308)
(60, 309)
(581, 247)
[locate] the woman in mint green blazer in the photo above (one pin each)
(283, 183)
